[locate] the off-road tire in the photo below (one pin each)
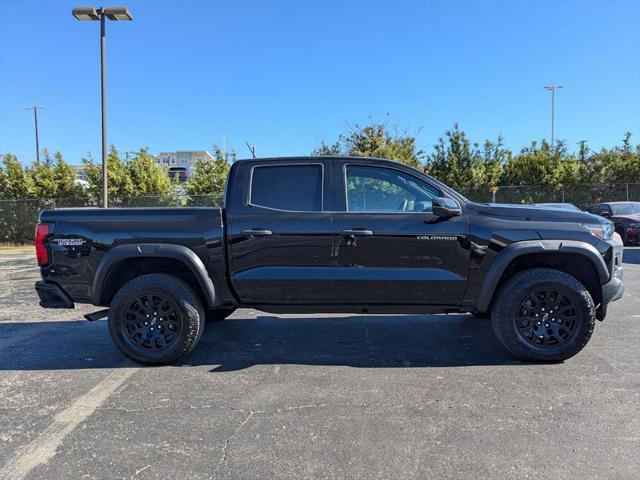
(188, 309)
(218, 314)
(507, 304)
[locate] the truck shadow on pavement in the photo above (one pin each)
(241, 342)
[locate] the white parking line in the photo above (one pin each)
(45, 446)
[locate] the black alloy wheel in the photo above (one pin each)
(156, 319)
(543, 314)
(546, 318)
(152, 322)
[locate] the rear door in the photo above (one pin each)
(390, 248)
(280, 238)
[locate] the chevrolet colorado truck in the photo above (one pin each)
(332, 234)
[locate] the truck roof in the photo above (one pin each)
(311, 159)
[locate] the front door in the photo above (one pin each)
(389, 247)
(280, 238)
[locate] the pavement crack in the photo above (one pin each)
(223, 457)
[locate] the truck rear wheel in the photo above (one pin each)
(543, 314)
(156, 319)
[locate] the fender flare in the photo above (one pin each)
(518, 249)
(163, 250)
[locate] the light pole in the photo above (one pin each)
(35, 109)
(553, 89)
(102, 13)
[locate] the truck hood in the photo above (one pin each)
(630, 218)
(529, 212)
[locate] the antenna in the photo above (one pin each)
(252, 149)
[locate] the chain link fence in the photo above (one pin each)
(18, 217)
(583, 196)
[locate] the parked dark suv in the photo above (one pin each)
(625, 217)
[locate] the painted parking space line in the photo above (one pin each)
(45, 446)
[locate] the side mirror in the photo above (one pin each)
(446, 207)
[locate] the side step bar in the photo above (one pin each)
(92, 317)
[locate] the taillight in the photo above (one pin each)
(42, 254)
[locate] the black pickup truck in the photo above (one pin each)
(325, 234)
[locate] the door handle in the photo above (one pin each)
(357, 232)
(257, 232)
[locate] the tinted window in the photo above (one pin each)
(604, 209)
(626, 209)
(377, 189)
(288, 187)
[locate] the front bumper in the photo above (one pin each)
(633, 235)
(614, 288)
(53, 295)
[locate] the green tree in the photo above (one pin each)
(375, 140)
(41, 173)
(326, 150)
(120, 183)
(209, 177)
(65, 178)
(620, 164)
(147, 177)
(545, 166)
(494, 159)
(54, 178)
(15, 180)
(462, 165)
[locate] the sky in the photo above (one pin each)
(286, 75)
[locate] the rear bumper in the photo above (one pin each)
(53, 295)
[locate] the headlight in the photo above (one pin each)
(600, 230)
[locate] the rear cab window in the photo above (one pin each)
(292, 188)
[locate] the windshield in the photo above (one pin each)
(626, 208)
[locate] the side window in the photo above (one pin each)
(296, 188)
(604, 210)
(379, 189)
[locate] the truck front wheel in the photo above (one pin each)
(543, 314)
(156, 319)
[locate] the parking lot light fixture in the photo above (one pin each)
(118, 13)
(91, 14)
(552, 89)
(85, 13)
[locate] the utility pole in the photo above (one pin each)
(224, 147)
(35, 109)
(553, 89)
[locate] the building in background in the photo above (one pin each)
(81, 176)
(180, 164)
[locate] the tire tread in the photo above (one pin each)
(186, 298)
(502, 323)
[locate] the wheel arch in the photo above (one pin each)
(158, 258)
(578, 259)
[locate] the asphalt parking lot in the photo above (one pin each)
(331, 396)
